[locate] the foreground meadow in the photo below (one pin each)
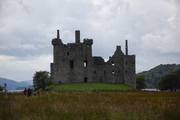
(91, 106)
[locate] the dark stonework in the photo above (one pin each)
(74, 63)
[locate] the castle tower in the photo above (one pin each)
(129, 68)
(56, 42)
(72, 62)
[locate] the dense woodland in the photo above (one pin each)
(154, 75)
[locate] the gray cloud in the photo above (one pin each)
(27, 27)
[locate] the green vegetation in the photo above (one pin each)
(89, 87)
(170, 81)
(3, 88)
(141, 81)
(154, 75)
(41, 80)
(91, 106)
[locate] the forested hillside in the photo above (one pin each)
(154, 75)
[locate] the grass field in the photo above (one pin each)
(83, 102)
(91, 106)
(89, 87)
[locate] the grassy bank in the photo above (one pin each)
(89, 87)
(91, 106)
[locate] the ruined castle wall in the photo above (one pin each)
(115, 67)
(129, 71)
(88, 60)
(99, 67)
(114, 70)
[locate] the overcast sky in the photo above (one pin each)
(152, 28)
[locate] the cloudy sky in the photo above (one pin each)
(152, 28)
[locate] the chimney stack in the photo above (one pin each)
(57, 34)
(126, 47)
(77, 36)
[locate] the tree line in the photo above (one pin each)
(169, 81)
(154, 75)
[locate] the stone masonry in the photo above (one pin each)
(74, 63)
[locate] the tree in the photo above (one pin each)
(141, 81)
(5, 85)
(177, 72)
(41, 79)
(169, 82)
(1, 88)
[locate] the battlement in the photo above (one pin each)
(56, 41)
(88, 41)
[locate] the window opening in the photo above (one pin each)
(67, 53)
(85, 63)
(71, 63)
(112, 63)
(94, 72)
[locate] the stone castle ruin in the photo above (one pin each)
(74, 63)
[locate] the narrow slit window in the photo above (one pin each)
(67, 53)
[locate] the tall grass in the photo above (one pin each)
(91, 106)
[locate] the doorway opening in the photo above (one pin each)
(85, 79)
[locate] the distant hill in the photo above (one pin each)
(154, 75)
(14, 85)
